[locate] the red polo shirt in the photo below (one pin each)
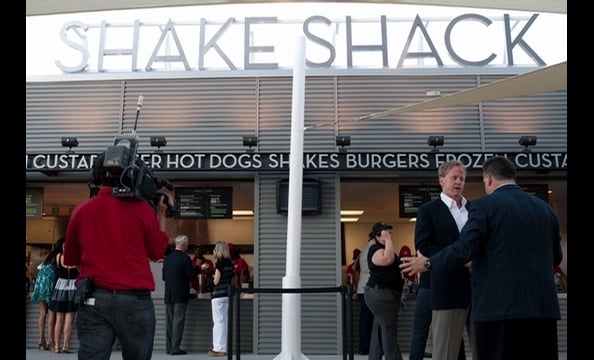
(113, 240)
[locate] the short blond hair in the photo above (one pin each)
(448, 165)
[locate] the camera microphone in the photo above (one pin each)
(139, 103)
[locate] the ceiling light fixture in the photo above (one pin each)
(250, 141)
(435, 141)
(243, 212)
(526, 141)
(351, 212)
(343, 141)
(158, 141)
(69, 142)
(349, 219)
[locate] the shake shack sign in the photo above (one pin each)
(260, 43)
(311, 161)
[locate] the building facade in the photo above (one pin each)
(205, 116)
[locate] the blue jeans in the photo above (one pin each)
(129, 317)
(421, 324)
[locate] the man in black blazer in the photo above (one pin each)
(444, 296)
(513, 239)
(178, 272)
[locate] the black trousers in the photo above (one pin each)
(384, 304)
(521, 339)
(175, 319)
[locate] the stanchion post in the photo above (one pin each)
(231, 292)
(351, 327)
(238, 327)
(344, 321)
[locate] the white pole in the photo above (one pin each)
(291, 316)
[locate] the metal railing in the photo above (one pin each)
(345, 291)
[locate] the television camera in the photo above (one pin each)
(131, 177)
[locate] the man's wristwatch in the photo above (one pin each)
(428, 264)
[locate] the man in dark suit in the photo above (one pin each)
(514, 242)
(178, 272)
(444, 297)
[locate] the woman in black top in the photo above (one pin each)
(383, 293)
(221, 282)
(62, 302)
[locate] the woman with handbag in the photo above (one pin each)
(62, 302)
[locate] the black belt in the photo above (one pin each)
(122, 292)
(382, 287)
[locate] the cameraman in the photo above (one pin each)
(112, 239)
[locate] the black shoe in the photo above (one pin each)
(427, 355)
(179, 352)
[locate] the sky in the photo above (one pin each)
(547, 36)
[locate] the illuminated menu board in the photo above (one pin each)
(204, 202)
(413, 196)
(34, 203)
(220, 202)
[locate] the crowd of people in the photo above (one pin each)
(462, 281)
(54, 290)
(97, 275)
(507, 232)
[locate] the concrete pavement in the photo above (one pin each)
(35, 354)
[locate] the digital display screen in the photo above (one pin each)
(311, 201)
(34, 203)
(220, 202)
(413, 196)
(204, 202)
